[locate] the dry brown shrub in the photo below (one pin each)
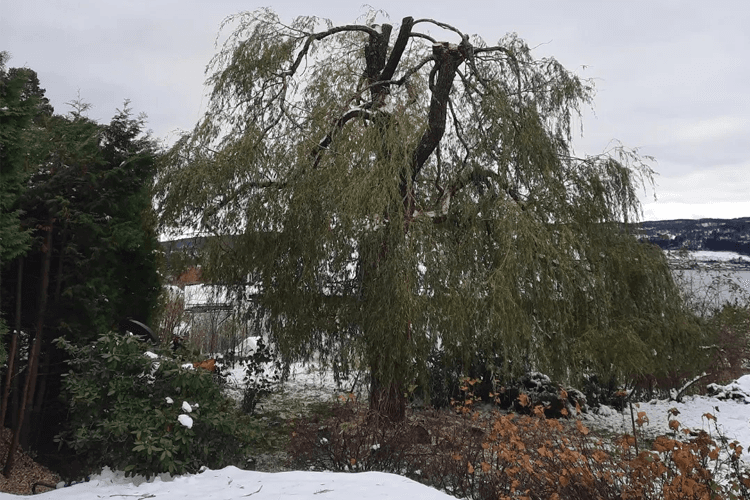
(490, 455)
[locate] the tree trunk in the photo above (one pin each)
(28, 389)
(35, 420)
(10, 375)
(387, 400)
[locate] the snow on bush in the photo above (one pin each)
(739, 390)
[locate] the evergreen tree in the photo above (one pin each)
(388, 193)
(22, 102)
(94, 186)
(18, 107)
(89, 193)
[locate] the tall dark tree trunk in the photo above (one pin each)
(36, 413)
(387, 400)
(387, 392)
(10, 375)
(28, 390)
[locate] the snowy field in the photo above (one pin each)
(707, 255)
(732, 413)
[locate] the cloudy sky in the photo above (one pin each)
(672, 76)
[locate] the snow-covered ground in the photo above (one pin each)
(709, 255)
(232, 483)
(307, 385)
(730, 406)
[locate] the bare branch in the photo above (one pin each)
(422, 35)
(319, 36)
(497, 48)
(441, 25)
(457, 126)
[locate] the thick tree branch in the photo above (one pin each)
(447, 59)
(376, 52)
(375, 60)
(398, 49)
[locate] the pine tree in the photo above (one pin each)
(387, 192)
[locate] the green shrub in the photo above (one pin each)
(125, 404)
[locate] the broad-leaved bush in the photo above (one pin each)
(147, 413)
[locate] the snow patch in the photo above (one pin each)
(248, 346)
(185, 420)
(232, 483)
(605, 411)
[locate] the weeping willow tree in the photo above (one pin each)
(387, 192)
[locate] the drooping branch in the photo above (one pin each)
(326, 141)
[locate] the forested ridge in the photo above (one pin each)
(720, 235)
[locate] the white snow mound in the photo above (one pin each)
(232, 483)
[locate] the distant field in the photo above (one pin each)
(708, 255)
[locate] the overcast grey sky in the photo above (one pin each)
(672, 76)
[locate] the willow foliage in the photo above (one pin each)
(386, 192)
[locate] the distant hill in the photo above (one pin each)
(719, 235)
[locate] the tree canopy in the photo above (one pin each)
(92, 183)
(21, 103)
(91, 259)
(387, 190)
